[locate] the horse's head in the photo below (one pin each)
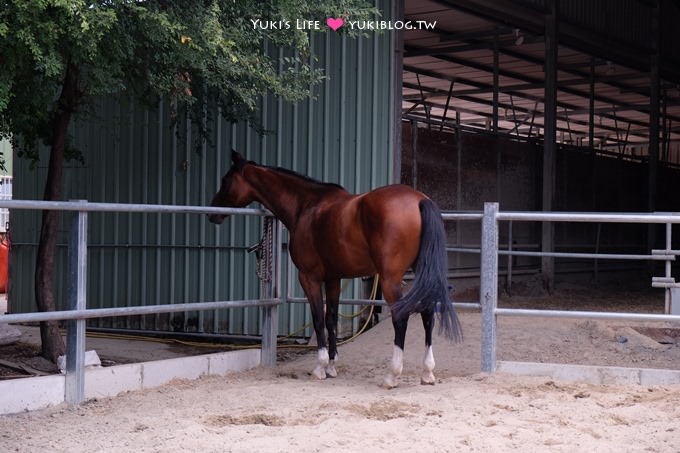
(234, 191)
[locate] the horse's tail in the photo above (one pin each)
(429, 290)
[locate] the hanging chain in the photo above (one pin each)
(263, 251)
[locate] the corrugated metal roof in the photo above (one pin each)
(449, 70)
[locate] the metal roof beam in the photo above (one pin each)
(535, 86)
(571, 34)
(486, 86)
(602, 127)
(437, 120)
(532, 80)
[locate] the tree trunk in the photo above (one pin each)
(52, 342)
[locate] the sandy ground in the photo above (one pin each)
(282, 409)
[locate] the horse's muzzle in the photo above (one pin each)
(216, 218)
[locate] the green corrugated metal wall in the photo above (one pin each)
(132, 155)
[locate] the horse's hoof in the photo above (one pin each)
(389, 382)
(427, 378)
(331, 372)
(319, 373)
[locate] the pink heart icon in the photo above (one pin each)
(334, 23)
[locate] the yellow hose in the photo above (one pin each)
(374, 294)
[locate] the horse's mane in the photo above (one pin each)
(307, 179)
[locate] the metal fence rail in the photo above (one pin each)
(269, 294)
(489, 269)
(92, 313)
(77, 285)
(490, 251)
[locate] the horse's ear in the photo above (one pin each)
(236, 157)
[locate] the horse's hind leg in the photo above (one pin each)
(392, 292)
(427, 378)
(332, 301)
(397, 362)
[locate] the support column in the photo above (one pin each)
(76, 298)
(488, 286)
(654, 96)
(496, 69)
(549, 145)
(494, 116)
(397, 89)
(591, 108)
(414, 154)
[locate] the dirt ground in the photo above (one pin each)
(282, 409)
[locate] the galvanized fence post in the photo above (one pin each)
(269, 290)
(74, 392)
(488, 289)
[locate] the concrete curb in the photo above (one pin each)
(35, 393)
(592, 374)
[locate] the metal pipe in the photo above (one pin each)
(129, 311)
(378, 302)
(74, 384)
(382, 303)
(564, 216)
(495, 84)
(588, 314)
(591, 106)
(462, 215)
(508, 280)
(591, 217)
(414, 154)
(654, 100)
(597, 250)
(549, 139)
(669, 247)
(609, 256)
(489, 268)
(127, 207)
(459, 182)
(488, 287)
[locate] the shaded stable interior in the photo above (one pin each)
(546, 105)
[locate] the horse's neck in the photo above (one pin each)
(283, 194)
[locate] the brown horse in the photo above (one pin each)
(335, 235)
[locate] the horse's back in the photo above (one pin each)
(392, 224)
(357, 235)
(395, 203)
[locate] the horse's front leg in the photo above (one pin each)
(427, 378)
(332, 302)
(312, 290)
